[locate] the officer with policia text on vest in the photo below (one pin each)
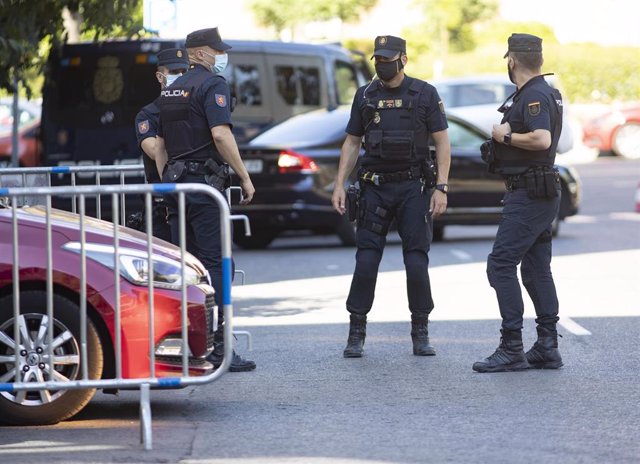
(195, 128)
(172, 63)
(523, 150)
(393, 117)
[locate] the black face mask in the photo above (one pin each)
(511, 76)
(387, 70)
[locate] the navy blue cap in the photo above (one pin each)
(389, 46)
(524, 43)
(206, 37)
(173, 58)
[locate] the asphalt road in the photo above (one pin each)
(305, 403)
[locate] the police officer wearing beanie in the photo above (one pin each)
(394, 117)
(172, 63)
(195, 128)
(524, 149)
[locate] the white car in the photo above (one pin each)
(476, 99)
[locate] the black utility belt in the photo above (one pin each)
(386, 177)
(542, 182)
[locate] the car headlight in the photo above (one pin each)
(134, 265)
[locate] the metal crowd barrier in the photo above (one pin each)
(82, 380)
(44, 177)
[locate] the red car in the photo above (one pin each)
(29, 124)
(617, 130)
(37, 407)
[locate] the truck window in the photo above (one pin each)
(298, 85)
(244, 82)
(346, 82)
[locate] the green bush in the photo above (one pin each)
(586, 72)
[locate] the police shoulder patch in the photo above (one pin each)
(534, 108)
(221, 100)
(143, 126)
(441, 106)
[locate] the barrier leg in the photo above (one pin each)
(244, 333)
(145, 417)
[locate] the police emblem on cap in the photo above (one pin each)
(143, 126)
(534, 108)
(382, 41)
(179, 53)
(221, 100)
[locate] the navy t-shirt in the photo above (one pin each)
(147, 121)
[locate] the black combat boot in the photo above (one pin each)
(238, 363)
(544, 353)
(357, 333)
(420, 336)
(509, 356)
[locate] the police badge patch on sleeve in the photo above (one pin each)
(143, 126)
(441, 106)
(534, 108)
(221, 100)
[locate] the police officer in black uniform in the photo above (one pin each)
(172, 63)
(395, 114)
(195, 127)
(523, 149)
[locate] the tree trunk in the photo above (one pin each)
(72, 21)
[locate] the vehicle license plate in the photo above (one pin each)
(253, 166)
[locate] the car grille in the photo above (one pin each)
(210, 307)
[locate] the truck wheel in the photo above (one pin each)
(33, 407)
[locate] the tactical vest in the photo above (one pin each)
(393, 132)
(186, 132)
(512, 160)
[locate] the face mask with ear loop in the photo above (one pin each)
(220, 64)
(169, 78)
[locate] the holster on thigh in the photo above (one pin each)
(375, 218)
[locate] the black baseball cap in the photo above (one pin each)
(206, 37)
(173, 58)
(524, 43)
(388, 46)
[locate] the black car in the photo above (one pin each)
(293, 166)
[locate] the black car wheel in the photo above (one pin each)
(346, 230)
(49, 406)
(256, 241)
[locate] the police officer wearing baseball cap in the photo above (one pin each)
(172, 63)
(396, 114)
(195, 131)
(524, 149)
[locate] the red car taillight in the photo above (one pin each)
(290, 161)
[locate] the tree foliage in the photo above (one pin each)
(29, 28)
(450, 23)
(284, 14)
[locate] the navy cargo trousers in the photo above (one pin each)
(408, 203)
(524, 236)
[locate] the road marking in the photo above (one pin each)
(625, 216)
(572, 326)
(461, 255)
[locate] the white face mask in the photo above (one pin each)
(171, 78)
(220, 64)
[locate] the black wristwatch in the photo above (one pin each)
(507, 139)
(444, 188)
